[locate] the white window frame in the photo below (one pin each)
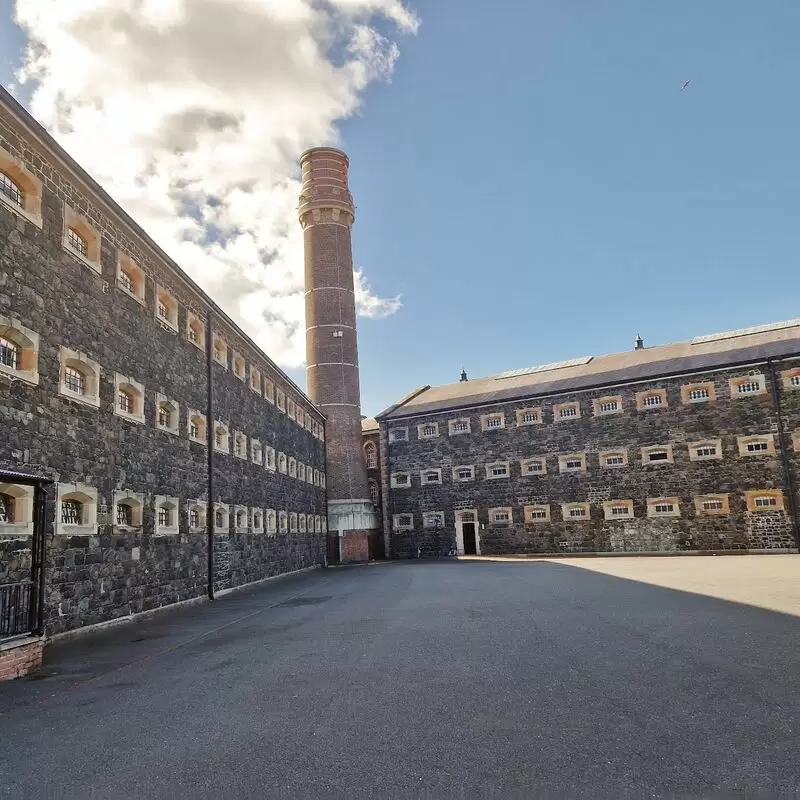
(371, 455)
(190, 415)
(271, 522)
(433, 519)
(192, 322)
(526, 462)
(653, 504)
(393, 478)
(453, 424)
(91, 372)
(456, 470)
(425, 474)
(496, 465)
(488, 420)
(610, 505)
(27, 344)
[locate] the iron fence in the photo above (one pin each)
(16, 608)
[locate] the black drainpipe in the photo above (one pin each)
(787, 469)
(210, 444)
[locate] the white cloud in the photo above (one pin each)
(192, 114)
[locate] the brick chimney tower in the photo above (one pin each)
(326, 215)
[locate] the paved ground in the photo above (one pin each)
(466, 679)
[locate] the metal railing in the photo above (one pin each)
(16, 604)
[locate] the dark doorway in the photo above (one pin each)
(468, 532)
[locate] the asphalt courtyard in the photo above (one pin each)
(584, 678)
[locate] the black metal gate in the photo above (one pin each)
(22, 602)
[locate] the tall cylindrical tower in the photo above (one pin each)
(327, 214)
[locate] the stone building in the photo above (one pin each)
(156, 417)
(684, 447)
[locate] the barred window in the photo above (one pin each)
(11, 190)
(428, 430)
(499, 470)
(697, 395)
(573, 463)
(71, 512)
(194, 518)
(9, 353)
(619, 511)
(706, 451)
(538, 513)
(74, 380)
(465, 474)
(77, 242)
(125, 402)
(219, 518)
(165, 517)
(461, 427)
(757, 447)
(795, 380)
(568, 411)
(532, 467)
(165, 416)
(611, 405)
(6, 507)
(494, 422)
(652, 400)
(713, 505)
(749, 387)
(530, 417)
(501, 516)
(658, 455)
(615, 460)
(126, 281)
(766, 501)
(664, 508)
(577, 512)
(124, 514)
(163, 311)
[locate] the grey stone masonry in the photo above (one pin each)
(707, 486)
(103, 570)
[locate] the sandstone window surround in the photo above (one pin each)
(791, 379)
(19, 351)
(576, 512)
(463, 473)
(712, 505)
(240, 521)
(269, 391)
(255, 379)
(238, 365)
(81, 240)
(430, 476)
(222, 518)
(657, 454)
(663, 507)
(706, 450)
(130, 277)
(529, 416)
(292, 467)
(374, 491)
(283, 522)
(501, 516)
(610, 404)
(572, 462)
(428, 430)
(493, 422)
(20, 189)
(301, 471)
(282, 463)
(498, 470)
(748, 385)
(166, 310)
(456, 427)
(316, 478)
(166, 515)
(371, 455)
(291, 408)
(566, 411)
(80, 377)
(257, 517)
(272, 522)
(403, 522)
(613, 459)
(398, 434)
(761, 500)
(309, 422)
(400, 480)
(537, 513)
(128, 399)
(301, 523)
(196, 515)
(127, 510)
(280, 401)
(76, 510)
(221, 437)
(16, 510)
(762, 445)
(433, 519)
(651, 399)
(196, 427)
(618, 509)
(533, 466)
(240, 445)
(196, 331)
(270, 461)
(698, 392)
(292, 522)
(167, 415)
(256, 452)
(220, 351)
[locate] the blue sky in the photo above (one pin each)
(536, 185)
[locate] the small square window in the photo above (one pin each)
(566, 411)
(400, 480)
(650, 399)
(457, 426)
(462, 474)
(575, 462)
(537, 513)
(529, 416)
(429, 430)
(398, 434)
(607, 405)
(533, 466)
(751, 385)
(497, 470)
(431, 476)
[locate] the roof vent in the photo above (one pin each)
(639, 342)
(464, 377)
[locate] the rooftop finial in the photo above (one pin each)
(639, 342)
(463, 375)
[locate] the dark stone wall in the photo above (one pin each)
(677, 424)
(91, 579)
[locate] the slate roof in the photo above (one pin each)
(369, 425)
(697, 355)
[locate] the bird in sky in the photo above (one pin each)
(685, 85)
